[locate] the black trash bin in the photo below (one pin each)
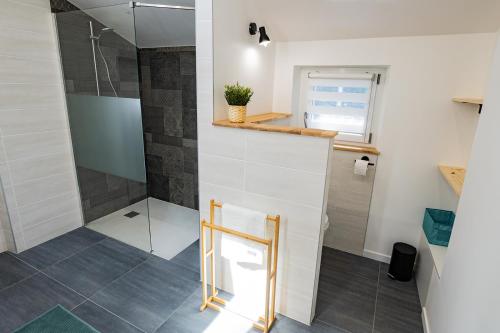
(402, 262)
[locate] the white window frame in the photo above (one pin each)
(341, 72)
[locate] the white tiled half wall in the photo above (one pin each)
(273, 173)
(36, 162)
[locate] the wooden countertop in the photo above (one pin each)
(455, 177)
(256, 123)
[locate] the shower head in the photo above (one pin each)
(102, 31)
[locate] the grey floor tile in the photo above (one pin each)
(60, 248)
(190, 257)
(347, 291)
(394, 316)
(189, 319)
(338, 261)
(30, 298)
(148, 295)
(287, 325)
(406, 291)
(103, 320)
(398, 306)
(90, 270)
(346, 309)
(12, 270)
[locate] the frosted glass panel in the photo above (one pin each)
(107, 135)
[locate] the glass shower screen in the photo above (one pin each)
(99, 58)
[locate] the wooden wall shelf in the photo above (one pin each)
(257, 123)
(476, 101)
(455, 177)
(356, 149)
(470, 100)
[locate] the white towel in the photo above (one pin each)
(243, 265)
(247, 221)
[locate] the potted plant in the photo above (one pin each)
(237, 97)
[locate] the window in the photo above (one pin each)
(342, 102)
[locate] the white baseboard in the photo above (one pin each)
(425, 321)
(377, 256)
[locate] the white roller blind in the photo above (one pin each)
(339, 102)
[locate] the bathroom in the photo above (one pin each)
(114, 139)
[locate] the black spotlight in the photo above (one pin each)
(253, 28)
(264, 38)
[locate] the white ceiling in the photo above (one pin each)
(299, 20)
(155, 27)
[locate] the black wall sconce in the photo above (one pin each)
(264, 39)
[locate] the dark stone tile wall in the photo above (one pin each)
(103, 194)
(77, 58)
(58, 6)
(168, 95)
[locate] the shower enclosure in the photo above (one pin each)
(130, 80)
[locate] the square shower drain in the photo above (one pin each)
(131, 214)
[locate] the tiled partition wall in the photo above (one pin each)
(349, 203)
(36, 164)
(270, 172)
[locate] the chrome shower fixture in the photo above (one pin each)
(96, 43)
(102, 31)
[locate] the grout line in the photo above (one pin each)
(76, 306)
(38, 224)
(376, 297)
(333, 326)
(114, 314)
(74, 254)
(30, 158)
(260, 163)
(85, 298)
(27, 182)
(175, 311)
(22, 280)
(118, 278)
(264, 196)
(65, 194)
(63, 129)
(65, 286)
(49, 277)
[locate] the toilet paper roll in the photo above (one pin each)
(360, 167)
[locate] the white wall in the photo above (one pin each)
(467, 299)
(269, 172)
(238, 57)
(418, 125)
(36, 163)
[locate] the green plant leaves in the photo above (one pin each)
(237, 95)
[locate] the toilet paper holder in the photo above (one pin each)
(366, 158)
